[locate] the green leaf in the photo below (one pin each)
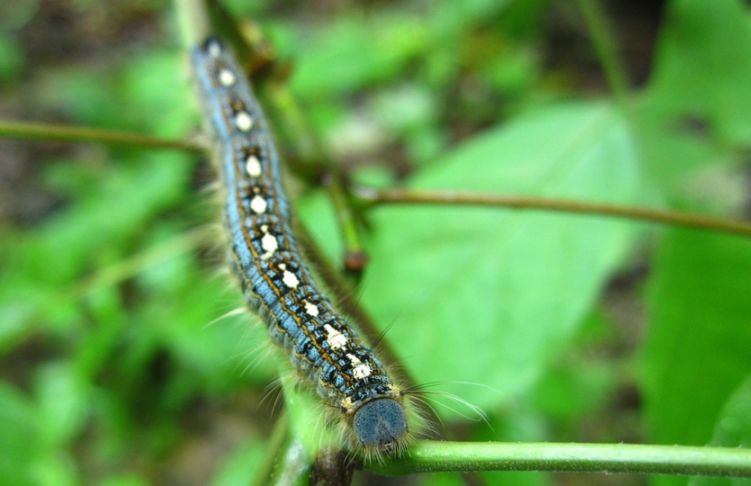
(19, 436)
(317, 211)
(95, 230)
(155, 84)
(11, 58)
(356, 51)
(490, 296)
(125, 480)
(85, 96)
(63, 403)
(697, 349)
(225, 351)
(694, 112)
(103, 217)
(323, 69)
(733, 429)
(240, 467)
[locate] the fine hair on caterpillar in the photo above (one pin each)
(421, 392)
(326, 352)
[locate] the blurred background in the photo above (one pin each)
(561, 328)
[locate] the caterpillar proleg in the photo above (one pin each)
(320, 343)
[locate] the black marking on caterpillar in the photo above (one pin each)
(320, 343)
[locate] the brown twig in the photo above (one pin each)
(373, 197)
(49, 131)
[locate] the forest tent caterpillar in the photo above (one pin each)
(321, 344)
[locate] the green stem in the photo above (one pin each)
(674, 218)
(607, 48)
(435, 456)
(354, 253)
(294, 466)
(48, 131)
(277, 441)
(193, 20)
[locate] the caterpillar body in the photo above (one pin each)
(321, 344)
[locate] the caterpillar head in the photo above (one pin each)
(380, 424)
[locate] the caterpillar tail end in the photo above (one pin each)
(381, 425)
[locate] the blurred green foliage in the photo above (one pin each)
(560, 328)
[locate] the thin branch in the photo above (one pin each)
(674, 218)
(48, 131)
(435, 456)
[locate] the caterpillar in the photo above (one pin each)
(276, 284)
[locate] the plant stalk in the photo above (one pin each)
(435, 456)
